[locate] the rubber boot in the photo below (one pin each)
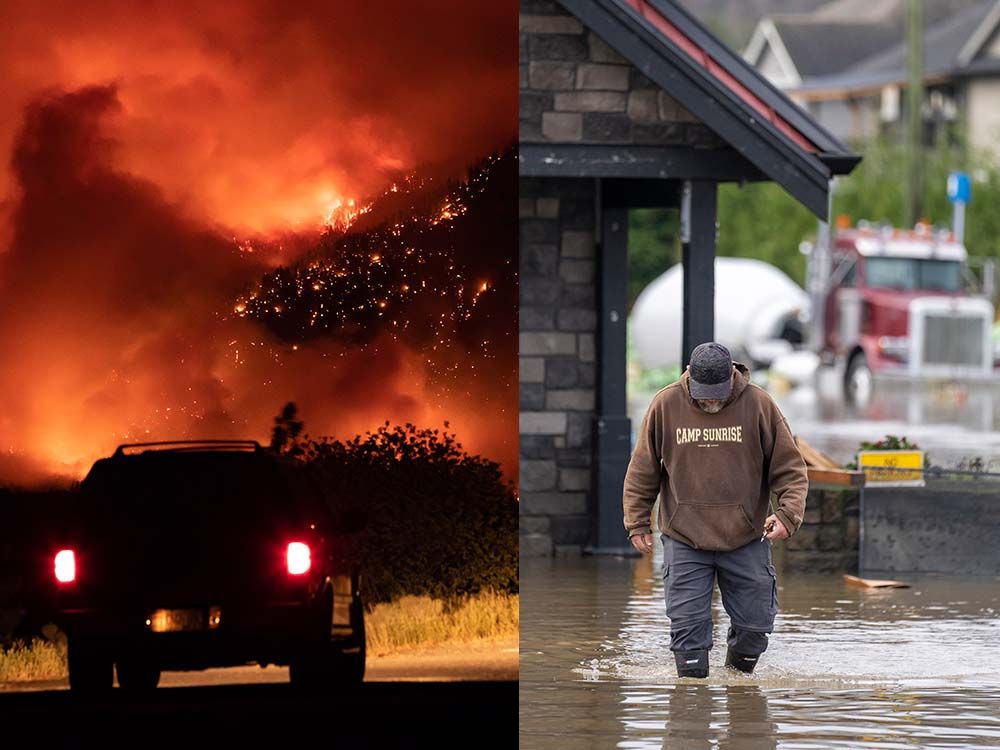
(742, 662)
(691, 663)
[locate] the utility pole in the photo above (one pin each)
(914, 121)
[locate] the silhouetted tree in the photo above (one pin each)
(285, 435)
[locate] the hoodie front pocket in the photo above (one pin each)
(713, 526)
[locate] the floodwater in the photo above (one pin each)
(950, 422)
(845, 668)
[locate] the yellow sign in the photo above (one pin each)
(890, 468)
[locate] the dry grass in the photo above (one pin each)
(40, 660)
(408, 622)
(422, 621)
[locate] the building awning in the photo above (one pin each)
(759, 122)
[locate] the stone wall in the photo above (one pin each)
(558, 320)
(827, 541)
(576, 89)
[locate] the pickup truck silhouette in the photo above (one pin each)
(189, 555)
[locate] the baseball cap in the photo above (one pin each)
(711, 372)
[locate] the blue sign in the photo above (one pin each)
(959, 187)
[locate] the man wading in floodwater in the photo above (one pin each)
(714, 446)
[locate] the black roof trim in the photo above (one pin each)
(840, 163)
(660, 162)
(803, 174)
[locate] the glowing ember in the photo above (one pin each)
(408, 262)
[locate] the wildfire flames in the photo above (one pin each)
(341, 215)
(210, 211)
(371, 282)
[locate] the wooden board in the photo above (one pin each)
(815, 458)
(875, 583)
(831, 476)
(823, 470)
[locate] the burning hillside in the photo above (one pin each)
(161, 278)
(409, 277)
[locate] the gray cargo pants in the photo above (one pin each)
(749, 590)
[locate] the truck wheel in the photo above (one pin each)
(858, 382)
(350, 663)
(310, 668)
(332, 664)
(91, 669)
(137, 672)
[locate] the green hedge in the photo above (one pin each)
(760, 220)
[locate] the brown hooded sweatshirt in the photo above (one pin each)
(714, 472)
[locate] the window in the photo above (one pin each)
(909, 274)
(850, 275)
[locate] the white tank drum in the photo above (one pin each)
(759, 313)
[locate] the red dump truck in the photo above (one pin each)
(903, 304)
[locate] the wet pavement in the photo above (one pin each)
(486, 659)
(846, 667)
(375, 715)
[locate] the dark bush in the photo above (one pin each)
(439, 521)
(28, 519)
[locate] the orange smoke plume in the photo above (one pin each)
(143, 140)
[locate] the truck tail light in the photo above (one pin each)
(65, 566)
(298, 558)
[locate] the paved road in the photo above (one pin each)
(491, 661)
(375, 715)
(458, 694)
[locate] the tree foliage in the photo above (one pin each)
(760, 220)
(653, 247)
(439, 520)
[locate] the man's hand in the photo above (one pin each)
(642, 542)
(777, 528)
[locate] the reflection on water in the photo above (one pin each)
(717, 716)
(950, 421)
(846, 667)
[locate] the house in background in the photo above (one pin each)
(845, 64)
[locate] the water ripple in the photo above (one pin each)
(846, 667)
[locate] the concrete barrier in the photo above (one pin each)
(948, 527)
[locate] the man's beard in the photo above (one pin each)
(710, 408)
